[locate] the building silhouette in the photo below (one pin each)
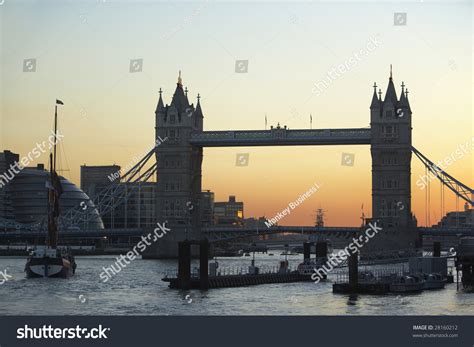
(7, 158)
(229, 212)
(25, 198)
(207, 208)
(458, 218)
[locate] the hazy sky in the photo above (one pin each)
(83, 51)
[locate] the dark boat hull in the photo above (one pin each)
(49, 267)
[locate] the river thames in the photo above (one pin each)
(138, 290)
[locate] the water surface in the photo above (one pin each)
(138, 290)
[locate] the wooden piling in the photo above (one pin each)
(436, 249)
(184, 264)
(204, 264)
(354, 270)
(306, 251)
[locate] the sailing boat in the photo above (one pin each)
(49, 260)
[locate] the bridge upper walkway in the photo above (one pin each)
(281, 137)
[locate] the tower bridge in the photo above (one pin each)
(178, 162)
(179, 173)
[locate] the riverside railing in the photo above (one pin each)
(231, 271)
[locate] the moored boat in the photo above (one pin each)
(49, 260)
(433, 281)
(45, 261)
(366, 277)
(309, 266)
(407, 284)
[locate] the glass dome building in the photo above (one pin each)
(29, 200)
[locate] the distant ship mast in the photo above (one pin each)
(319, 218)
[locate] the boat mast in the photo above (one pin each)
(55, 133)
(53, 201)
(50, 202)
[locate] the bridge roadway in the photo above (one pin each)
(228, 233)
(281, 137)
(224, 233)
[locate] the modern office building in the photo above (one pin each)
(458, 219)
(96, 178)
(136, 207)
(229, 212)
(130, 205)
(207, 208)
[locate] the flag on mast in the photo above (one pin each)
(311, 120)
(59, 102)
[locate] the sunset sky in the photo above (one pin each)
(83, 51)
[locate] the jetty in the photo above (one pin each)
(211, 276)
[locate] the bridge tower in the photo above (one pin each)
(178, 170)
(391, 133)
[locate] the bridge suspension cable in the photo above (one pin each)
(442, 198)
(113, 195)
(460, 189)
(426, 198)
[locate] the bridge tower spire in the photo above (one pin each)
(375, 104)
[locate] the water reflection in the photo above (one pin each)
(352, 301)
